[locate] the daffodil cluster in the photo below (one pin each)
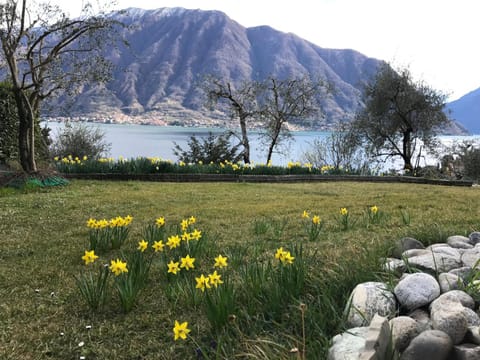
(284, 256)
(108, 234)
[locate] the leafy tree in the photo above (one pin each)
(8, 123)
(214, 148)
(241, 101)
(398, 113)
(80, 140)
(46, 52)
(284, 101)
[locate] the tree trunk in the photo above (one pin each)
(245, 142)
(407, 151)
(26, 134)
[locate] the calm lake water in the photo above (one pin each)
(158, 141)
(131, 141)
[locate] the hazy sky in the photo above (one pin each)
(437, 39)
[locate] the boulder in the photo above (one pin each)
(459, 242)
(440, 259)
(368, 299)
(449, 281)
(422, 317)
(466, 352)
(474, 237)
(456, 296)
(416, 290)
(404, 244)
(348, 345)
(404, 329)
(471, 257)
(473, 335)
(430, 344)
(450, 318)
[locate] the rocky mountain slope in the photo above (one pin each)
(170, 49)
(466, 111)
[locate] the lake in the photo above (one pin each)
(158, 141)
(131, 141)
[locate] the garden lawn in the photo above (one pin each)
(276, 307)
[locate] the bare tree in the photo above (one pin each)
(47, 52)
(283, 101)
(241, 100)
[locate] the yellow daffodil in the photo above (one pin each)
(184, 224)
(220, 262)
(89, 257)
(196, 235)
(118, 267)
(343, 211)
(316, 220)
(158, 245)
(192, 220)
(186, 236)
(187, 262)
(287, 258)
(91, 223)
(142, 245)
(374, 209)
(279, 253)
(128, 219)
(173, 267)
(305, 214)
(180, 331)
(215, 279)
(160, 221)
(173, 241)
(203, 282)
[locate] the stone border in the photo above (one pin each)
(176, 177)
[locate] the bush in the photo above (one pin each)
(79, 141)
(471, 163)
(212, 149)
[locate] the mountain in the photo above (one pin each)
(156, 77)
(466, 111)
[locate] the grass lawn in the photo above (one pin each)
(264, 308)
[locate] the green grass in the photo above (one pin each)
(43, 235)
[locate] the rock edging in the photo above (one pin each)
(429, 314)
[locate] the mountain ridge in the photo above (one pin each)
(171, 48)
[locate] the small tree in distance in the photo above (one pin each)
(212, 149)
(398, 113)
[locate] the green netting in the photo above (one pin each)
(33, 182)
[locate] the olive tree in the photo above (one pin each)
(399, 115)
(46, 52)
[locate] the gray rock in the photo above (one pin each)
(459, 242)
(463, 272)
(416, 290)
(430, 344)
(394, 265)
(472, 317)
(474, 237)
(348, 345)
(473, 335)
(450, 319)
(404, 244)
(368, 299)
(455, 296)
(466, 352)
(422, 317)
(437, 245)
(471, 257)
(404, 329)
(377, 340)
(449, 281)
(415, 252)
(441, 259)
